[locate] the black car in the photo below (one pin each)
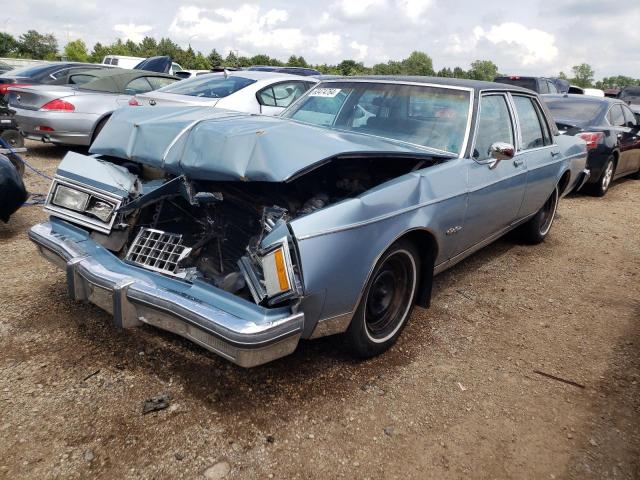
(609, 127)
(56, 73)
(305, 72)
(542, 85)
(631, 96)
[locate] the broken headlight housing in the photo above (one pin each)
(83, 205)
(271, 275)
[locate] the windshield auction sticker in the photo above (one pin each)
(325, 92)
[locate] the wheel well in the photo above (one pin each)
(427, 247)
(99, 122)
(564, 182)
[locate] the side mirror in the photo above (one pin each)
(501, 151)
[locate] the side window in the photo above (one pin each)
(629, 117)
(494, 125)
(114, 61)
(616, 116)
(548, 139)
(139, 85)
(80, 78)
(544, 88)
(552, 87)
(530, 127)
(281, 94)
(159, 82)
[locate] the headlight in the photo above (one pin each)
(100, 209)
(70, 198)
(275, 269)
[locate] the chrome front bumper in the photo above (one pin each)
(247, 337)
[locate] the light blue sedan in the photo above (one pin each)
(245, 233)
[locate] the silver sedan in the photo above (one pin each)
(75, 114)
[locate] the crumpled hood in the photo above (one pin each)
(224, 145)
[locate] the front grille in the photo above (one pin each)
(158, 251)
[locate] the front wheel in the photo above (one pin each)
(537, 228)
(387, 301)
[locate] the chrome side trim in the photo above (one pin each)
(332, 325)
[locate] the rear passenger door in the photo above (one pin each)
(535, 148)
(624, 138)
(275, 98)
(495, 190)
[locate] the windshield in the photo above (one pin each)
(433, 117)
(209, 86)
(580, 111)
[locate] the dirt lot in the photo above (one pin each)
(456, 398)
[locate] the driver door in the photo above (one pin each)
(496, 190)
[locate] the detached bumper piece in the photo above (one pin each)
(243, 333)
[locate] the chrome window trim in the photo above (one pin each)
(475, 131)
(465, 142)
(606, 115)
(78, 217)
(539, 113)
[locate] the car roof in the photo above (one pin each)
(115, 80)
(476, 85)
(586, 98)
(259, 75)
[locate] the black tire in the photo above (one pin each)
(537, 228)
(13, 138)
(601, 187)
(387, 301)
(99, 128)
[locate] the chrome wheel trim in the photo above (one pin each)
(411, 297)
(608, 175)
(549, 209)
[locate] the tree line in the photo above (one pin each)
(35, 45)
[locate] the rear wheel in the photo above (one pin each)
(537, 228)
(387, 301)
(600, 188)
(14, 140)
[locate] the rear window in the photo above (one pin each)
(31, 71)
(576, 110)
(630, 94)
(214, 86)
(529, 83)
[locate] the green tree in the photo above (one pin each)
(297, 62)
(445, 72)
(8, 45)
(582, 75)
(37, 46)
(483, 70)
(98, 53)
(418, 63)
(459, 73)
(167, 47)
(563, 76)
(201, 62)
(231, 60)
(215, 59)
(148, 47)
(76, 51)
(350, 67)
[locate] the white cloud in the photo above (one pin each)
(414, 8)
(131, 31)
(358, 8)
(328, 44)
(360, 48)
(533, 45)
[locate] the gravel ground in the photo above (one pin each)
(457, 397)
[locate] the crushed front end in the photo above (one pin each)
(218, 267)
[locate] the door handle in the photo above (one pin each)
(555, 154)
(518, 163)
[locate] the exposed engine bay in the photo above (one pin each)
(213, 231)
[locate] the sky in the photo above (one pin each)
(527, 37)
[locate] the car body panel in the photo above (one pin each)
(458, 203)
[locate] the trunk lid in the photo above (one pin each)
(174, 99)
(34, 97)
(214, 144)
